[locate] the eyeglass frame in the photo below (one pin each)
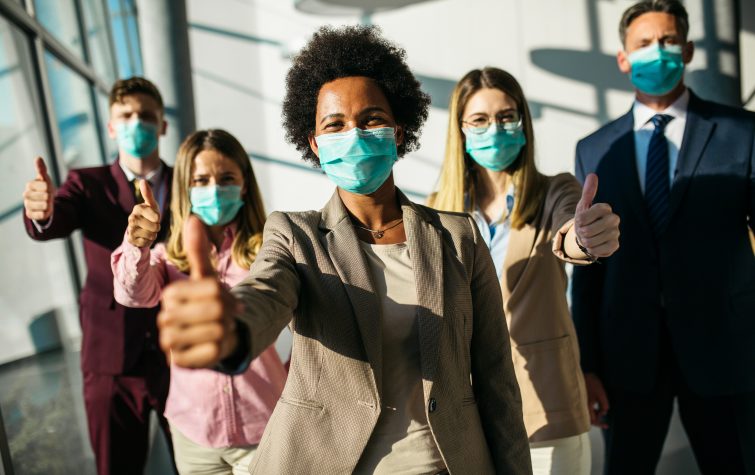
(506, 125)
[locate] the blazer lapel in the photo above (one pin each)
(123, 188)
(623, 174)
(697, 133)
(426, 248)
(350, 263)
(518, 251)
(167, 180)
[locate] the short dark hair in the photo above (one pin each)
(350, 51)
(672, 7)
(134, 85)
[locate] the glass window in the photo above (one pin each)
(111, 147)
(126, 37)
(59, 18)
(39, 311)
(71, 98)
(98, 39)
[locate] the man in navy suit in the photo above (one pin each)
(125, 372)
(671, 315)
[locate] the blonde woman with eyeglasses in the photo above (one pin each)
(532, 224)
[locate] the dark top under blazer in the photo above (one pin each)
(98, 201)
(698, 279)
(312, 269)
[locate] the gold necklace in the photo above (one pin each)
(378, 233)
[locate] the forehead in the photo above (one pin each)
(212, 160)
(652, 24)
(136, 102)
(349, 96)
(489, 100)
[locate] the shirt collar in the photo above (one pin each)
(643, 114)
(152, 177)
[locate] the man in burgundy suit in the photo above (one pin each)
(125, 372)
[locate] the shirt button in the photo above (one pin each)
(227, 388)
(433, 405)
(148, 334)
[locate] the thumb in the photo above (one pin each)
(41, 167)
(197, 246)
(149, 197)
(589, 190)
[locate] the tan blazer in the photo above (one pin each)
(543, 339)
(311, 269)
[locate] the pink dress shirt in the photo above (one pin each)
(210, 408)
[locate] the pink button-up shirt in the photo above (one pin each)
(208, 407)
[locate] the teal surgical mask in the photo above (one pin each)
(656, 70)
(137, 138)
(358, 161)
(497, 148)
(216, 205)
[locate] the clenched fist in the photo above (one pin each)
(196, 322)
(144, 221)
(39, 194)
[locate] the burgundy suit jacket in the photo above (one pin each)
(98, 201)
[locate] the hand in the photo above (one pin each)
(596, 226)
(39, 194)
(597, 401)
(196, 322)
(144, 221)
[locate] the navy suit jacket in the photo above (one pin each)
(98, 201)
(698, 279)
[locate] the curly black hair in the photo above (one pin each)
(334, 53)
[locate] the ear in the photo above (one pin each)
(111, 130)
(313, 144)
(688, 51)
(164, 127)
(399, 135)
(622, 60)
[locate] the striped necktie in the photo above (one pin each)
(657, 175)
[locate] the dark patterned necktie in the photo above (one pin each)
(137, 191)
(657, 175)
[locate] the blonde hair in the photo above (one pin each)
(251, 217)
(458, 176)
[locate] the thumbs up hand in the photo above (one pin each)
(144, 221)
(196, 322)
(596, 227)
(39, 194)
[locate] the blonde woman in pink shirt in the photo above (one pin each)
(216, 420)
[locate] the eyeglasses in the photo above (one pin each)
(480, 123)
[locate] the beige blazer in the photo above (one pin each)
(311, 272)
(543, 339)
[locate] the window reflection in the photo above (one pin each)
(59, 18)
(74, 115)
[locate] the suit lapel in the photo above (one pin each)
(697, 132)
(426, 249)
(123, 188)
(351, 265)
(518, 250)
(623, 174)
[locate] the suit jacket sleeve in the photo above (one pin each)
(270, 294)
(493, 379)
(68, 205)
(587, 290)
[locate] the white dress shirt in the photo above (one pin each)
(674, 131)
(155, 179)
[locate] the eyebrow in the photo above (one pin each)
(331, 116)
(510, 109)
(362, 112)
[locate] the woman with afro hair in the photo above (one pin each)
(401, 360)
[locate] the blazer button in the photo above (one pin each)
(432, 405)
